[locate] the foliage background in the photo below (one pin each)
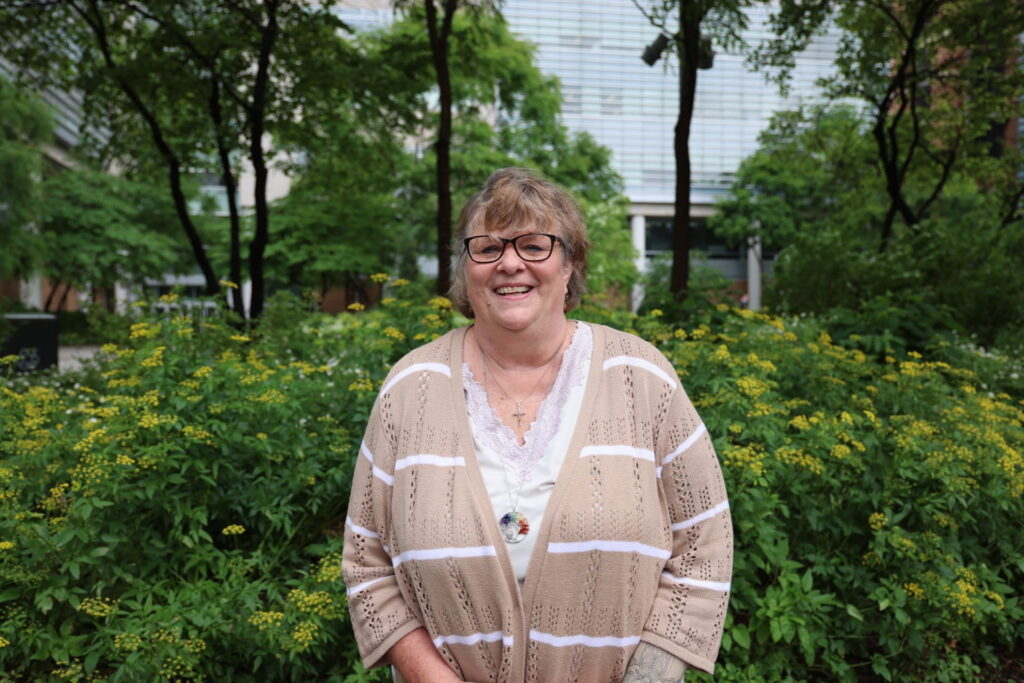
(174, 511)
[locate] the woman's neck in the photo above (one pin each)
(521, 349)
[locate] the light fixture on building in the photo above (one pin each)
(652, 53)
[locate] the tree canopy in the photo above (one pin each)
(25, 125)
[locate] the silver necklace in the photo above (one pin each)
(514, 525)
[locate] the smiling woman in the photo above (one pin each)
(535, 498)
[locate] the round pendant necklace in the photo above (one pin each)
(514, 525)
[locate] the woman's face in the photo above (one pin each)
(515, 295)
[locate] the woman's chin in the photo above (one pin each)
(518, 321)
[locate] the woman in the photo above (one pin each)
(535, 498)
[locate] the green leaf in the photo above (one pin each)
(90, 661)
(741, 635)
(854, 612)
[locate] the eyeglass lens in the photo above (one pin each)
(530, 247)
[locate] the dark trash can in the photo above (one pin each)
(33, 338)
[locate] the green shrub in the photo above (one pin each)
(877, 504)
(175, 510)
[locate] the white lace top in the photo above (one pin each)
(505, 463)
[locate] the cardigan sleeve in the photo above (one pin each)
(378, 611)
(689, 609)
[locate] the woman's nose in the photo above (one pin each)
(510, 260)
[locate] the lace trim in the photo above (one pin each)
(499, 437)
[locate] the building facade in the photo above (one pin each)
(594, 48)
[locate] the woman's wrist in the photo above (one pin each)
(418, 661)
(651, 663)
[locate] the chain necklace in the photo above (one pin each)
(518, 413)
(513, 524)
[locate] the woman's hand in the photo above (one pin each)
(651, 664)
(418, 661)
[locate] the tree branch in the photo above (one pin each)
(183, 38)
(93, 18)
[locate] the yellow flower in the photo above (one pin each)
(387, 300)
(129, 642)
(380, 277)
(6, 545)
(394, 333)
(239, 338)
(261, 436)
(329, 568)
(228, 283)
(143, 331)
(914, 590)
(656, 313)
(98, 607)
(155, 360)
(441, 303)
(877, 520)
(840, 451)
(4, 642)
(316, 602)
(400, 282)
(721, 354)
(751, 386)
(149, 420)
(356, 306)
(304, 634)
(169, 298)
(109, 348)
(265, 620)
(233, 530)
(361, 384)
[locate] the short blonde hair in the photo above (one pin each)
(515, 198)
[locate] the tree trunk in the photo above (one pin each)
(257, 127)
(63, 298)
(439, 50)
(230, 187)
(689, 49)
(54, 287)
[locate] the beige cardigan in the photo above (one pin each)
(636, 543)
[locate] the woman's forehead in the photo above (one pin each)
(513, 230)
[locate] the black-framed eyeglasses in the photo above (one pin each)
(531, 246)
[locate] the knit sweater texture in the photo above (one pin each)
(636, 543)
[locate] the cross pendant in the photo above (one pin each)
(518, 414)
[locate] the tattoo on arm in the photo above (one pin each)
(651, 664)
